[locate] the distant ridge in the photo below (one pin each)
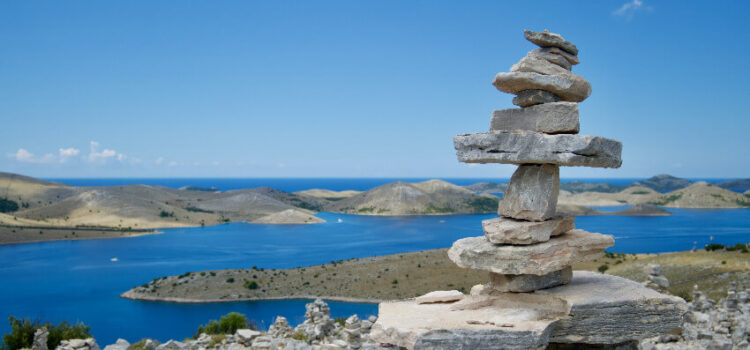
(428, 197)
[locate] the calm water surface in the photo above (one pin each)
(75, 280)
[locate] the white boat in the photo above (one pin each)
(114, 260)
(339, 221)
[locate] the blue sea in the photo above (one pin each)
(76, 281)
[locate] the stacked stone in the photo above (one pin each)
(529, 247)
(533, 299)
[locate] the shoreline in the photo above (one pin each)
(58, 230)
(408, 275)
(128, 295)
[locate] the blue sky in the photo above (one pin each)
(355, 88)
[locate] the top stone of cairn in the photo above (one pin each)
(547, 39)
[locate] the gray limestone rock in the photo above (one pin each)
(631, 345)
(528, 147)
(532, 193)
(536, 259)
(528, 98)
(530, 283)
(504, 230)
(610, 310)
(539, 64)
(549, 118)
(40, 339)
(568, 87)
(593, 311)
(547, 39)
(572, 59)
(464, 339)
(551, 57)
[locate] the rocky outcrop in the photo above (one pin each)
(710, 325)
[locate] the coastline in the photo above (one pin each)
(408, 275)
(57, 233)
(131, 296)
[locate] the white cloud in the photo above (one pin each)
(67, 153)
(159, 161)
(629, 9)
(102, 156)
(25, 156)
(172, 163)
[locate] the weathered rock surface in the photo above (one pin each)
(527, 98)
(528, 147)
(504, 230)
(463, 339)
(550, 118)
(530, 283)
(547, 39)
(508, 321)
(121, 344)
(609, 310)
(572, 59)
(532, 193)
(40, 339)
(550, 57)
(537, 259)
(568, 87)
(440, 296)
(540, 64)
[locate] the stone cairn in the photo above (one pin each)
(533, 299)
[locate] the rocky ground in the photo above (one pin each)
(411, 274)
(722, 325)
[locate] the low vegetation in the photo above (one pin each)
(7, 205)
(412, 274)
(22, 333)
(227, 324)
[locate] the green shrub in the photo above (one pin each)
(299, 335)
(22, 333)
(603, 268)
(714, 246)
(165, 214)
(7, 205)
(251, 285)
(227, 324)
(230, 280)
(738, 247)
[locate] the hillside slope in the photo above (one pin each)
(402, 198)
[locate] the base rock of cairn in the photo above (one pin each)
(533, 299)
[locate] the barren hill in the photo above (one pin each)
(664, 183)
(47, 204)
(429, 197)
(703, 195)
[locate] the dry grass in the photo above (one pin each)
(412, 274)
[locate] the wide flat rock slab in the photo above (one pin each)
(528, 147)
(627, 311)
(609, 310)
(511, 321)
(549, 118)
(536, 259)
